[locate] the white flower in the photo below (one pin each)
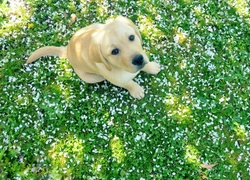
(140, 136)
(12, 79)
(176, 38)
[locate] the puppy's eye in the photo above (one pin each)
(115, 51)
(131, 37)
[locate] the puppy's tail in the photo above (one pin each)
(48, 51)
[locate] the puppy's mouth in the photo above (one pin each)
(141, 66)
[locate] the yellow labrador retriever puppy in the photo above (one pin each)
(111, 51)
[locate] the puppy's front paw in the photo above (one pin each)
(152, 68)
(137, 92)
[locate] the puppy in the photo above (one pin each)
(111, 51)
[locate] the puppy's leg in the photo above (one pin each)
(88, 77)
(152, 68)
(134, 89)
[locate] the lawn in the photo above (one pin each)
(193, 122)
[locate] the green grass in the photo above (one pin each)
(196, 110)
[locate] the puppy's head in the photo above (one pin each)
(120, 45)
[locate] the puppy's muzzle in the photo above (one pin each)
(138, 61)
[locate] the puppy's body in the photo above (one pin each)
(109, 51)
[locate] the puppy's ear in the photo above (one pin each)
(97, 56)
(130, 23)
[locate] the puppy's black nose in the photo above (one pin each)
(138, 60)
